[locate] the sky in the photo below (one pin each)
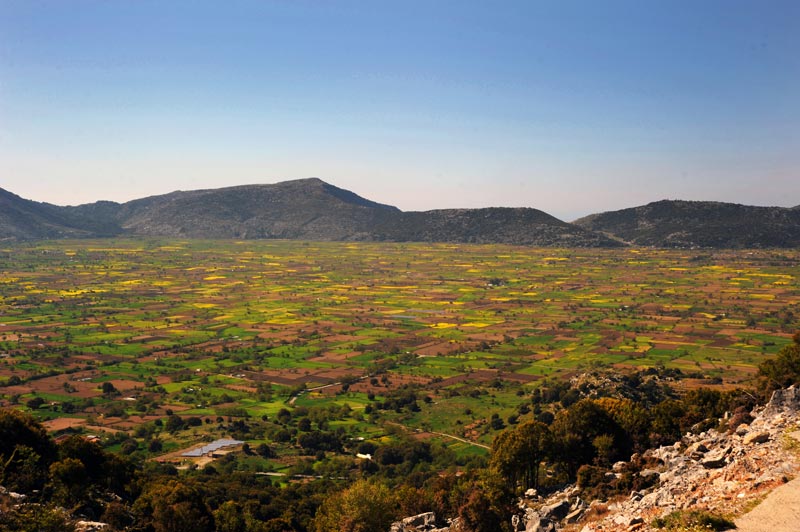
(571, 107)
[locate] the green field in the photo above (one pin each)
(216, 329)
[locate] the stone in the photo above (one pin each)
(635, 524)
(624, 520)
(698, 447)
(578, 504)
(716, 459)
(783, 400)
(646, 473)
(756, 437)
(423, 520)
(556, 511)
(575, 516)
(541, 525)
(90, 526)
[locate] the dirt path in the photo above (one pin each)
(462, 440)
(779, 512)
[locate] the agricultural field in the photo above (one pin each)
(444, 342)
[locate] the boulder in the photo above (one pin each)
(556, 511)
(716, 459)
(783, 400)
(90, 526)
(575, 516)
(647, 473)
(756, 437)
(541, 525)
(635, 524)
(697, 448)
(424, 520)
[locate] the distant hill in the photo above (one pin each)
(305, 209)
(22, 219)
(519, 226)
(686, 224)
(310, 209)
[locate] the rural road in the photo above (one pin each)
(779, 512)
(476, 444)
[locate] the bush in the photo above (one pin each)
(591, 476)
(693, 520)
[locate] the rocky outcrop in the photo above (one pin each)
(783, 402)
(424, 522)
(715, 471)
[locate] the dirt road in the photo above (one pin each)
(779, 512)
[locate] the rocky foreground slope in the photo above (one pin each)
(725, 473)
(716, 471)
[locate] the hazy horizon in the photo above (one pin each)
(567, 107)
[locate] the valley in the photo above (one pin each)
(110, 336)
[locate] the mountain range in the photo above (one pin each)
(311, 209)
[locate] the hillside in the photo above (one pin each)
(310, 209)
(306, 209)
(22, 219)
(520, 226)
(686, 224)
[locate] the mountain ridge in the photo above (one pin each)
(312, 209)
(304, 209)
(699, 224)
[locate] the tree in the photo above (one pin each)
(263, 450)
(517, 453)
(23, 471)
(488, 505)
(229, 518)
(25, 451)
(632, 418)
(477, 514)
(575, 433)
(366, 506)
(175, 506)
(36, 517)
(784, 370)
(109, 389)
(174, 423)
(89, 453)
(69, 481)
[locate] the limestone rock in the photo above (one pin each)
(555, 511)
(90, 526)
(783, 400)
(756, 437)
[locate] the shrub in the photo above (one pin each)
(693, 520)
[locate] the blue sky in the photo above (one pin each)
(571, 107)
